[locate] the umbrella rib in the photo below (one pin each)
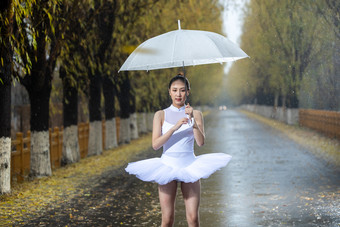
(217, 49)
(173, 49)
(133, 57)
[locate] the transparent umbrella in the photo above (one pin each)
(181, 48)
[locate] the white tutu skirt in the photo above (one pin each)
(179, 166)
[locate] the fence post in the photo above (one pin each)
(20, 148)
(61, 143)
(29, 148)
(103, 133)
(51, 146)
(323, 121)
(86, 134)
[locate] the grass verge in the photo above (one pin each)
(320, 145)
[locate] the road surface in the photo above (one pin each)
(270, 181)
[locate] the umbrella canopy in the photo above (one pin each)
(181, 48)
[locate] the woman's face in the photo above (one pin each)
(177, 93)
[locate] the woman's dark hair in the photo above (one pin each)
(181, 78)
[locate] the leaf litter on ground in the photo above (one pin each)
(30, 198)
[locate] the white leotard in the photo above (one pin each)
(178, 161)
(181, 140)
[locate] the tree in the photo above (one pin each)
(282, 46)
(6, 55)
(42, 37)
(99, 40)
(124, 97)
(70, 117)
(105, 21)
(125, 34)
(74, 77)
(329, 10)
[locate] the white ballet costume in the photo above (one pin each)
(178, 161)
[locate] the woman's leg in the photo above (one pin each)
(167, 197)
(191, 194)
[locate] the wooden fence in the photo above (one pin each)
(83, 139)
(20, 156)
(56, 147)
(327, 122)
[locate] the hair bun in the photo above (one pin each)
(180, 76)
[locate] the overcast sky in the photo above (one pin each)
(232, 21)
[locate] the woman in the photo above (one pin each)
(175, 129)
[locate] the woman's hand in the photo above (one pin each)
(179, 123)
(158, 139)
(189, 110)
(199, 128)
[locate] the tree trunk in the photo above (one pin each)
(124, 131)
(5, 164)
(293, 101)
(6, 55)
(124, 102)
(70, 117)
(71, 153)
(276, 103)
(149, 121)
(133, 116)
(276, 100)
(111, 134)
(110, 113)
(141, 119)
(5, 129)
(283, 101)
(40, 145)
(336, 74)
(133, 126)
(95, 136)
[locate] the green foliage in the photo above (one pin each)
(284, 40)
(6, 41)
(37, 39)
(162, 18)
(95, 37)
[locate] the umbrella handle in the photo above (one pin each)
(190, 122)
(186, 90)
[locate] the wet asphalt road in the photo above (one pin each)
(271, 181)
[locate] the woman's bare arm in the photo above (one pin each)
(199, 127)
(158, 140)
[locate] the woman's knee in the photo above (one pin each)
(168, 219)
(167, 197)
(193, 218)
